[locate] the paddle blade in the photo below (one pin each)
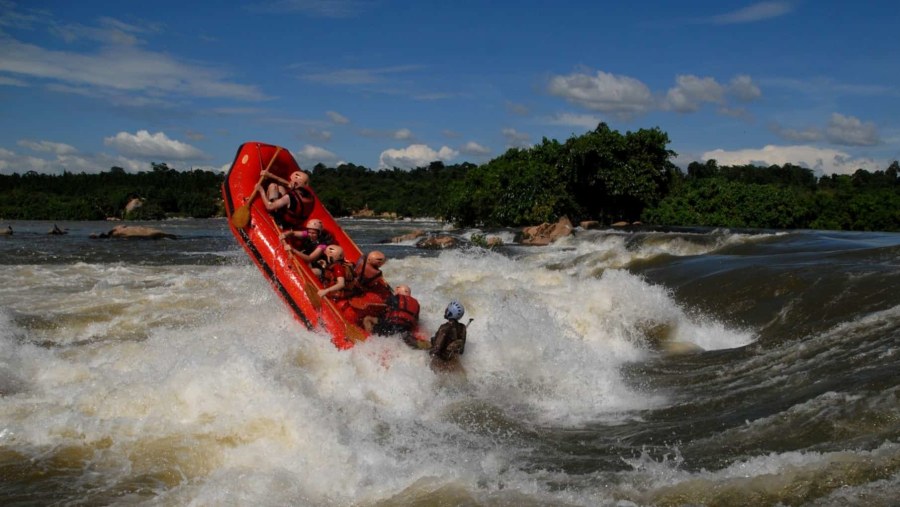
(241, 217)
(354, 333)
(312, 294)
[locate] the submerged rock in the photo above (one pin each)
(134, 231)
(418, 233)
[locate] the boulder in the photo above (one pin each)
(620, 224)
(437, 242)
(134, 231)
(6, 232)
(589, 224)
(418, 233)
(544, 234)
(363, 213)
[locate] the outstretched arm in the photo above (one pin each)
(338, 285)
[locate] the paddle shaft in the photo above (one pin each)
(263, 175)
(241, 216)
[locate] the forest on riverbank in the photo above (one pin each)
(602, 175)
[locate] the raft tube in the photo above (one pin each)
(292, 279)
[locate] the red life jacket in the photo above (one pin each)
(405, 313)
(300, 206)
(374, 283)
(330, 277)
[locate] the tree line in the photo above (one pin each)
(165, 192)
(601, 175)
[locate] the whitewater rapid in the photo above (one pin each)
(190, 384)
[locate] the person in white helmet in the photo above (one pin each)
(289, 202)
(338, 275)
(449, 342)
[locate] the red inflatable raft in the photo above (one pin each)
(292, 279)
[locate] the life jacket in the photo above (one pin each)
(307, 246)
(449, 341)
(332, 273)
(361, 279)
(403, 311)
(372, 283)
(298, 210)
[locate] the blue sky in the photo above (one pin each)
(85, 86)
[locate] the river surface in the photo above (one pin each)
(612, 368)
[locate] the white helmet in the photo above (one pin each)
(454, 311)
(314, 223)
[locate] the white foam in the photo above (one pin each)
(200, 374)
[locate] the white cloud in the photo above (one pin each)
(8, 81)
(12, 162)
(358, 76)
(414, 155)
(110, 31)
(840, 130)
(194, 135)
(691, 92)
(587, 121)
(626, 97)
(48, 147)
(756, 12)
(806, 135)
(516, 139)
(850, 131)
(147, 145)
(311, 155)
(402, 135)
(337, 118)
(620, 95)
(475, 149)
(823, 160)
(734, 112)
(118, 69)
(744, 89)
(319, 135)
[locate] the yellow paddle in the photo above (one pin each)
(241, 216)
(311, 292)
